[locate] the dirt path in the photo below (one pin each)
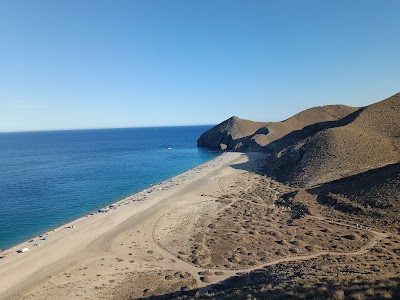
(194, 271)
(203, 287)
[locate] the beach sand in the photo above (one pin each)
(219, 222)
(120, 254)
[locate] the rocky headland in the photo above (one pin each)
(317, 145)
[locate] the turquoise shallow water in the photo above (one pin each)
(50, 178)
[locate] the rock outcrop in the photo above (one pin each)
(232, 134)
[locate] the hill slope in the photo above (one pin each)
(321, 169)
(320, 144)
(364, 140)
(239, 134)
(289, 129)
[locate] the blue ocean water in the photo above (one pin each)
(50, 178)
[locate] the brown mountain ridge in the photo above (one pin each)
(320, 144)
(341, 159)
(239, 134)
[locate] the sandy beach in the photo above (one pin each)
(81, 258)
(219, 222)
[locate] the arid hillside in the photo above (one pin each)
(239, 134)
(313, 214)
(367, 139)
(320, 144)
(300, 125)
(346, 163)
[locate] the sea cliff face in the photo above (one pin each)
(232, 134)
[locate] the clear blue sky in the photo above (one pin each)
(95, 64)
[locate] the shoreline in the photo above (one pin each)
(182, 239)
(72, 241)
(119, 200)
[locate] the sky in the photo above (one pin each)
(108, 64)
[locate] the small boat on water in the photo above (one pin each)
(169, 148)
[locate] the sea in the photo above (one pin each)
(52, 177)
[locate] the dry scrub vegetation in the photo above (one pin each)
(248, 230)
(260, 221)
(372, 275)
(113, 286)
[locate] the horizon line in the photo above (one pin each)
(101, 128)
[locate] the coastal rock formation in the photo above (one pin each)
(320, 144)
(239, 134)
(232, 134)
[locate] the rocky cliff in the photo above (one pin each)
(232, 134)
